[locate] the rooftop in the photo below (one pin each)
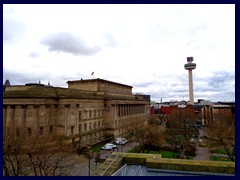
(142, 170)
(221, 106)
(97, 80)
(132, 164)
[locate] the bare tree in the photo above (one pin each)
(221, 132)
(14, 160)
(180, 129)
(35, 156)
(46, 156)
(146, 133)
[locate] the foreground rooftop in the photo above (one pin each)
(132, 164)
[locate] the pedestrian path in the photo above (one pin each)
(202, 153)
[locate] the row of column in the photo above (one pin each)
(21, 119)
(126, 110)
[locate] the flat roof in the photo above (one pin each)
(98, 80)
(221, 106)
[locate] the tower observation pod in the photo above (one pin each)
(190, 66)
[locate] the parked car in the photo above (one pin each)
(108, 146)
(121, 140)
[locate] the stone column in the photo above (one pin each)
(47, 118)
(24, 119)
(4, 120)
(10, 121)
(66, 119)
(36, 120)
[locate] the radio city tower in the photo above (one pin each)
(190, 66)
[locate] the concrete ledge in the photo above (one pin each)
(154, 161)
(139, 158)
(192, 165)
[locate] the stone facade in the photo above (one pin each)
(91, 109)
(216, 112)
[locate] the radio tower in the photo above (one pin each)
(190, 66)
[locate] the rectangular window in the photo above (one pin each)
(85, 126)
(18, 132)
(98, 113)
(85, 115)
(79, 128)
(51, 129)
(95, 113)
(90, 113)
(29, 130)
(72, 129)
(90, 126)
(98, 123)
(95, 125)
(41, 131)
(80, 115)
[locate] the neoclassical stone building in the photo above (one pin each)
(93, 109)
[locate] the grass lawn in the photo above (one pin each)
(95, 148)
(219, 151)
(131, 151)
(218, 158)
(166, 154)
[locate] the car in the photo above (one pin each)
(108, 146)
(121, 140)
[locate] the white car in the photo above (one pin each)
(121, 140)
(108, 146)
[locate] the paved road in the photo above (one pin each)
(81, 163)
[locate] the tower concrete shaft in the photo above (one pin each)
(191, 101)
(190, 66)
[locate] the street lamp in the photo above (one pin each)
(79, 143)
(89, 154)
(89, 158)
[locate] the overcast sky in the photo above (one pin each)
(145, 46)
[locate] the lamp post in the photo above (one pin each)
(79, 143)
(89, 154)
(89, 158)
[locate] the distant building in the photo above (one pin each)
(204, 102)
(93, 109)
(6, 84)
(217, 112)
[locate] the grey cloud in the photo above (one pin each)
(220, 86)
(33, 55)
(221, 77)
(16, 78)
(66, 42)
(58, 80)
(142, 84)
